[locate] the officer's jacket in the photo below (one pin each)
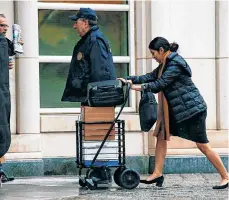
(91, 61)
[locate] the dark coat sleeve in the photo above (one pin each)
(96, 58)
(169, 75)
(10, 47)
(149, 77)
(101, 63)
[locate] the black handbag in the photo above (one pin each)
(147, 111)
(105, 93)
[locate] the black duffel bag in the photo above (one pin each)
(147, 111)
(105, 93)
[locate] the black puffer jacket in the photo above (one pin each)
(183, 97)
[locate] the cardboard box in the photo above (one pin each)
(97, 132)
(96, 135)
(98, 138)
(97, 114)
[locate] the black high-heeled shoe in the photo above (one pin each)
(219, 187)
(159, 181)
(4, 178)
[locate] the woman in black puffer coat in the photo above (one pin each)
(182, 110)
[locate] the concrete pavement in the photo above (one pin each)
(175, 187)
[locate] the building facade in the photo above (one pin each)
(43, 127)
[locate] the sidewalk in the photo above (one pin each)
(176, 187)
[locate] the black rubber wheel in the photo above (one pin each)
(92, 173)
(91, 187)
(101, 173)
(82, 183)
(117, 174)
(129, 179)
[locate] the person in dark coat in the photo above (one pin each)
(6, 50)
(91, 59)
(3, 29)
(182, 110)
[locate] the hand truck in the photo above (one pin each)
(99, 156)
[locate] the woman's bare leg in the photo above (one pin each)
(214, 158)
(160, 153)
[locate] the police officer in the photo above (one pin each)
(91, 60)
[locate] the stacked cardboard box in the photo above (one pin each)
(97, 114)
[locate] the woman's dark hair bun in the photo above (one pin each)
(173, 47)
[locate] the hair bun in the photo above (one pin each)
(173, 47)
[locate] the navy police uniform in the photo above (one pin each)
(91, 61)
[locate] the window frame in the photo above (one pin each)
(117, 59)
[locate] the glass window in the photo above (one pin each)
(87, 1)
(57, 37)
(53, 78)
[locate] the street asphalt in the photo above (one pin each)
(175, 187)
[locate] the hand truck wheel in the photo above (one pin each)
(91, 184)
(117, 174)
(1, 176)
(82, 183)
(129, 179)
(100, 173)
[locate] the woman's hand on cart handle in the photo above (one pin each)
(125, 81)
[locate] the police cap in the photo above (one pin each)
(85, 13)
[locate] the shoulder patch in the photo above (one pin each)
(79, 56)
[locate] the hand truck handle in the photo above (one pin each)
(128, 86)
